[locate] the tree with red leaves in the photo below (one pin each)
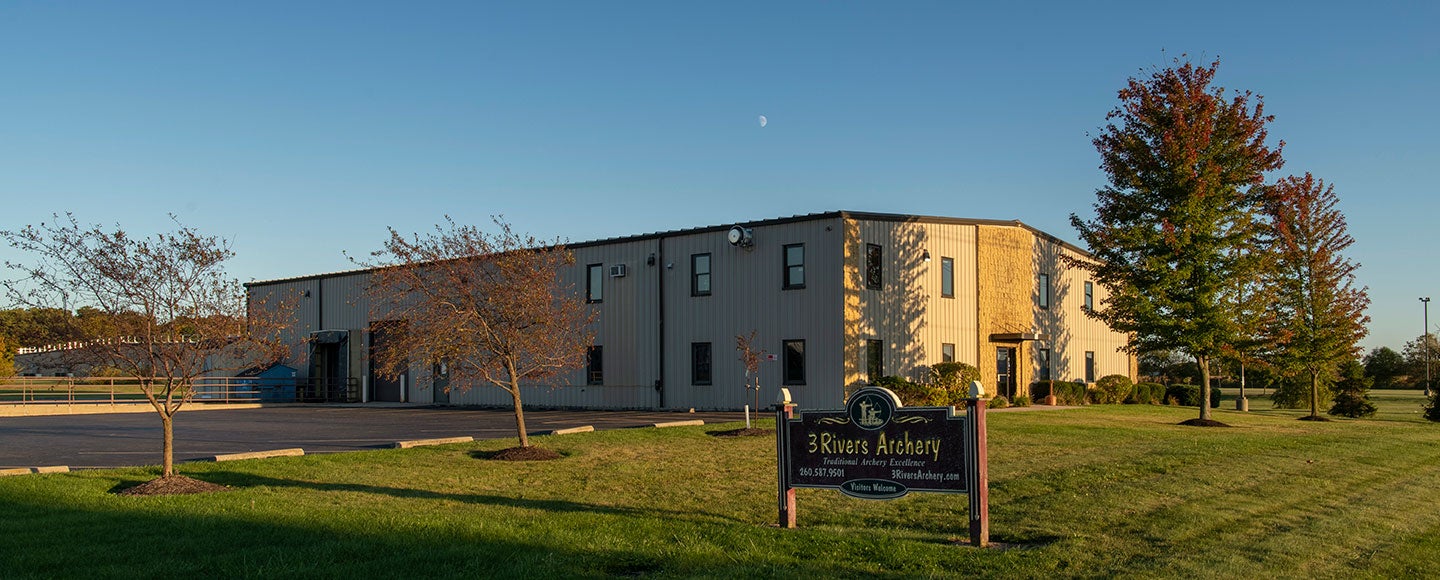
(491, 307)
(1319, 311)
(1172, 228)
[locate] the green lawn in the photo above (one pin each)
(1098, 491)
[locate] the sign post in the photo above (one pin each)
(875, 448)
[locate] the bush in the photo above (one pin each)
(1189, 395)
(1146, 394)
(1432, 411)
(999, 402)
(953, 376)
(1066, 393)
(1112, 389)
(1021, 400)
(1295, 394)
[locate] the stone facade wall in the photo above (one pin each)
(1006, 286)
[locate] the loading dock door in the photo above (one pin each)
(383, 388)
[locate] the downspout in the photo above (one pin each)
(660, 300)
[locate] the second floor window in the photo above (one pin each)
(794, 266)
(947, 277)
(1089, 296)
(1042, 298)
(874, 268)
(594, 282)
(700, 275)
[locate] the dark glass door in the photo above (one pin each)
(1005, 371)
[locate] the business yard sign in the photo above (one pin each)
(875, 448)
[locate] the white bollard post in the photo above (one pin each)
(747, 416)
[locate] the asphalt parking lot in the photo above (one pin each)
(129, 439)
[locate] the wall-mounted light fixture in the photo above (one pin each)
(650, 261)
(925, 256)
(307, 294)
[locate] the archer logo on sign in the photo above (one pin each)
(871, 410)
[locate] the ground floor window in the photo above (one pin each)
(595, 366)
(1089, 366)
(874, 360)
(699, 363)
(947, 352)
(794, 361)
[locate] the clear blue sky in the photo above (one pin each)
(303, 129)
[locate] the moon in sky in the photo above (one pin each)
(763, 120)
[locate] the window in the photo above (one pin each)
(874, 270)
(794, 351)
(1043, 298)
(594, 282)
(874, 360)
(700, 274)
(700, 363)
(794, 266)
(947, 277)
(947, 352)
(1089, 296)
(1044, 364)
(595, 366)
(1089, 366)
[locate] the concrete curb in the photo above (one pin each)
(691, 423)
(29, 470)
(291, 452)
(572, 430)
(428, 442)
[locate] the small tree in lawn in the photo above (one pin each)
(750, 359)
(170, 314)
(490, 305)
(1352, 396)
(1185, 164)
(1319, 311)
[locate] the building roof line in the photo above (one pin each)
(840, 214)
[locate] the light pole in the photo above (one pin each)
(1425, 342)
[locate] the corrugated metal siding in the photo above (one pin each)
(908, 313)
(747, 295)
(1072, 331)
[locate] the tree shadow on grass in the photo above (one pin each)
(243, 480)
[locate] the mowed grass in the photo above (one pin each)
(1098, 491)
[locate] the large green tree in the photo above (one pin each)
(1186, 165)
(1319, 310)
(1384, 366)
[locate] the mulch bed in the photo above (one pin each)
(1314, 418)
(531, 453)
(173, 485)
(1203, 423)
(743, 432)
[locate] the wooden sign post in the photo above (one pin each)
(876, 448)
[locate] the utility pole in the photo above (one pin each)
(1425, 340)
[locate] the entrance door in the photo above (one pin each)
(439, 383)
(384, 388)
(1005, 371)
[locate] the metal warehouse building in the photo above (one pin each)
(839, 298)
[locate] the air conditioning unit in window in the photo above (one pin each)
(617, 271)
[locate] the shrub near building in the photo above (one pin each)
(1112, 389)
(1146, 394)
(1189, 395)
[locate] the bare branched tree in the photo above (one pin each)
(492, 307)
(160, 309)
(750, 357)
